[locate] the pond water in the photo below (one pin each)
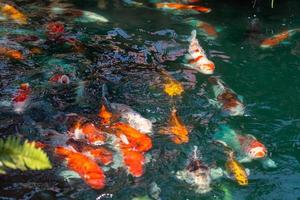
(125, 50)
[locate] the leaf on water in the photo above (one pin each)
(24, 156)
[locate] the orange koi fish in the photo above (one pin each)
(132, 137)
(207, 29)
(134, 161)
(176, 129)
(12, 13)
(236, 170)
(21, 99)
(197, 58)
(11, 53)
(278, 38)
(105, 115)
(60, 78)
(88, 169)
(179, 6)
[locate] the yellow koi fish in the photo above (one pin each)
(236, 170)
(172, 87)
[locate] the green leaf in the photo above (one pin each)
(25, 156)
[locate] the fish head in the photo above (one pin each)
(257, 152)
(237, 109)
(64, 79)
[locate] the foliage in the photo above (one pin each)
(24, 156)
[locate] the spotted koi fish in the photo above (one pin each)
(12, 13)
(197, 58)
(227, 99)
(237, 171)
(88, 169)
(278, 38)
(21, 99)
(179, 6)
(176, 129)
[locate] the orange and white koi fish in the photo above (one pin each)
(89, 132)
(11, 53)
(278, 38)
(197, 58)
(21, 99)
(179, 6)
(134, 160)
(132, 137)
(176, 129)
(88, 169)
(60, 78)
(236, 170)
(230, 103)
(12, 13)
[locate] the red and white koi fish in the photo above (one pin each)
(197, 58)
(60, 78)
(230, 103)
(278, 38)
(88, 169)
(21, 99)
(179, 6)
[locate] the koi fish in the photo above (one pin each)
(172, 87)
(132, 137)
(278, 38)
(11, 53)
(12, 13)
(133, 118)
(197, 58)
(230, 103)
(88, 169)
(197, 174)
(60, 78)
(236, 170)
(179, 6)
(176, 129)
(21, 99)
(134, 161)
(246, 146)
(89, 132)
(88, 17)
(207, 29)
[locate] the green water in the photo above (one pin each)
(268, 80)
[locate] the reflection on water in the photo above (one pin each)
(126, 45)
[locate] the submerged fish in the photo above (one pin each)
(278, 38)
(230, 103)
(247, 147)
(197, 58)
(197, 174)
(11, 53)
(236, 170)
(88, 169)
(172, 87)
(12, 13)
(179, 6)
(208, 30)
(55, 30)
(21, 98)
(60, 78)
(176, 129)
